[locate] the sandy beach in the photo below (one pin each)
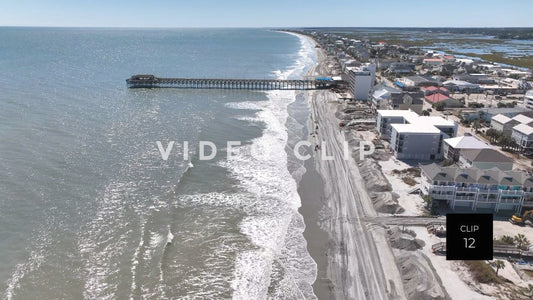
(354, 259)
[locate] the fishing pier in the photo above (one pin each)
(151, 81)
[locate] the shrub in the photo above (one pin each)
(481, 272)
(408, 180)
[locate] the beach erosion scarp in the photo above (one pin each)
(358, 261)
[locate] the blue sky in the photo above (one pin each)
(266, 13)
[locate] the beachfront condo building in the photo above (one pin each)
(528, 99)
(473, 189)
(361, 80)
(412, 136)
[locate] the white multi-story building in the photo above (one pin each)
(412, 136)
(528, 99)
(386, 118)
(503, 123)
(474, 189)
(523, 136)
(412, 141)
(361, 80)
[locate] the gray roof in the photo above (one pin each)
(399, 98)
(505, 110)
(417, 79)
(465, 175)
(507, 178)
(484, 155)
(488, 177)
(435, 172)
(492, 176)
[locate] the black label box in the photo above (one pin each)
(469, 237)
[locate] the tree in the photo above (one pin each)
(493, 135)
(439, 106)
(505, 141)
(508, 239)
(513, 145)
(499, 264)
(521, 241)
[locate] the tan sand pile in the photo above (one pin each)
(374, 178)
(386, 202)
(404, 240)
(418, 275)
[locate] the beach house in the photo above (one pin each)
(473, 189)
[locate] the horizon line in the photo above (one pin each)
(268, 27)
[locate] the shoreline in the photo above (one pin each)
(310, 189)
(355, 262)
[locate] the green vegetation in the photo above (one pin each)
(408, 180)
(510, 104)
(475, 105)
(505, 240)
(524, 61)
(394, 38)
(481, 272)
(521, 241)
(499, 264)
(439, 106)
(413, 171)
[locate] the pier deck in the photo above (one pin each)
(150, 81)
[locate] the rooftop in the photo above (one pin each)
(433, 120)
(502, 119)
(415, 128)
(466, 142)
(504, 110)
(523, 128)
(492, 176)
(434, 88)
(484, 155)
(437, 97)
(523, 119)
(397, 113)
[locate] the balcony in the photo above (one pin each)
(465, 198)
(442, 188)
(467, 189)
(442, 197)
(511, 192)
(528, 204)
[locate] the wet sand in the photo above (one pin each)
(311, 190)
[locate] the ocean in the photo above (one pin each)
(88, 207)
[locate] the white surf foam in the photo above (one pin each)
(261, 168)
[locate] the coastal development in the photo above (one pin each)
(452, 135)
